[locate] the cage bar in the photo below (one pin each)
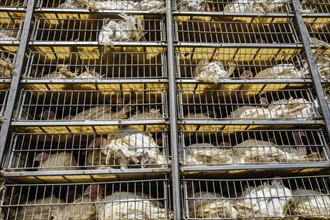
(3, 101)
(113, 199)
(315, 7)
(13, 3)
(279, 197)
(221, 148)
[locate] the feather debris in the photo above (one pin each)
(6, 67)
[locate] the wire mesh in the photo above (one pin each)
(10, 28)
(216, 104)
(236, 6)
(145, 5)
(235, 32)
(124, 148)
(132, 65)
(13, 3)
(327, 95)
(105, 31)
(252, 147)
(279, 197)
(315, 6)
(147, 199)
(91, 105)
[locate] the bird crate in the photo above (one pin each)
(296, 197)
(240, 110)
(10, 29)
(139, 199)
(86, 109)
(13, 3)
(95, 71)
(257, 147)
(79, 152)
(129, 34)
(235, 32)
(156, 6)
(252, 8)
(246, 69)
(3, 101)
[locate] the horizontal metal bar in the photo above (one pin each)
(85, 172)
(245, 81)
(230, 14)
(88, 123)
(238, 45)
(315, 15)
(12, 9)
(249, 122)
(101, 11)
(5, 81)
(94, 43)
(9, 43)
(255, 167)
(92, 81)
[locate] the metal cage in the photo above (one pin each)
(7, 60)
(97, 71)
(3, 100)
(236, 32)
(220, 148)
(114, 199)
(241, 105)
(279, 197)
(83, 151)
(315, 7)
(10, 29)
(145, 5)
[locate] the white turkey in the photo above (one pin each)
(6, 68)
(151, 114)
(56, 161)
(137, 148)
(210, 205)
(208, 154)
(62, 71)
(265, 201)
(323, 65)
(213, 71)
(82, 208)
(128, 29)
(292, 108)
(46, 208)
(126, 205)
(256, 151)
(103, 113)
(280, 71)
(152, 5)
(309, 203)
(252, 112)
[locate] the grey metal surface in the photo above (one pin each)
(15, 83)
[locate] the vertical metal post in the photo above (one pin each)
(176, 194)
(15, 81)
(312, 65)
